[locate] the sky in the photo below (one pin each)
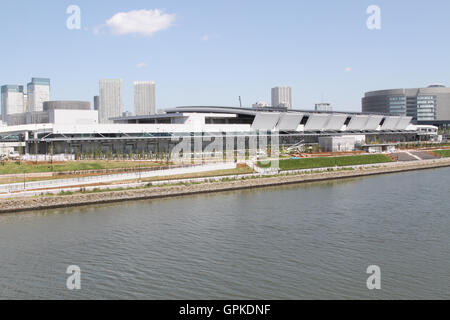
(211, 52)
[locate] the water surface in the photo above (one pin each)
(307, 241)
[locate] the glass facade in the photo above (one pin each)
(397, 105)
(426, 108)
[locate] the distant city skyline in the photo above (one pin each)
(198, 57)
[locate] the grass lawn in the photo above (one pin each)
(443, 153)
(15, 168)
(325, 162)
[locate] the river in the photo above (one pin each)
(306, 241)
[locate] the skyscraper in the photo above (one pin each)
(13, 101)
(111, 104)
(96, 102)
(38, 93)
(282, 97)
(144, 98)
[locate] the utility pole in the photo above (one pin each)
(240, 101)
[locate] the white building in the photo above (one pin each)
(144, 98)
(13, 101)
(25, 102)
(71, 130)
(323, 107)
(111, 103)
(282, 97)
(260, 104)
(38, 93)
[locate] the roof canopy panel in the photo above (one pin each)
(266, 121)
(373, 123)
(357, 123)
(316, 122)
(336, 122)
(390, 123)
(290, 121)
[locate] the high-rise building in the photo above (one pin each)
(13, 101)
(144, 98)
(423, 104)
(38, 93)
(110, 101)
(96, 102)
(25, 102)
(282, 97)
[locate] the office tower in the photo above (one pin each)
(111, 103)
(423, 104)
(96, 102)
(144, 98)
(282, 97)
(12, 101)
(38, 93)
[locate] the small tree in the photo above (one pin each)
(20, 152)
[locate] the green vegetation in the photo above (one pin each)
(187, 184)
(325, 162)
(422, 144)
(216, 173)
(20, 168)
(443, 153)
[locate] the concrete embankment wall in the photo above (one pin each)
(28, 204)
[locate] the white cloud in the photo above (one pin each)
(143, 22)
(348, 69)
(141, 65)
(205, 37)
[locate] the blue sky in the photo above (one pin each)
(213, 51)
